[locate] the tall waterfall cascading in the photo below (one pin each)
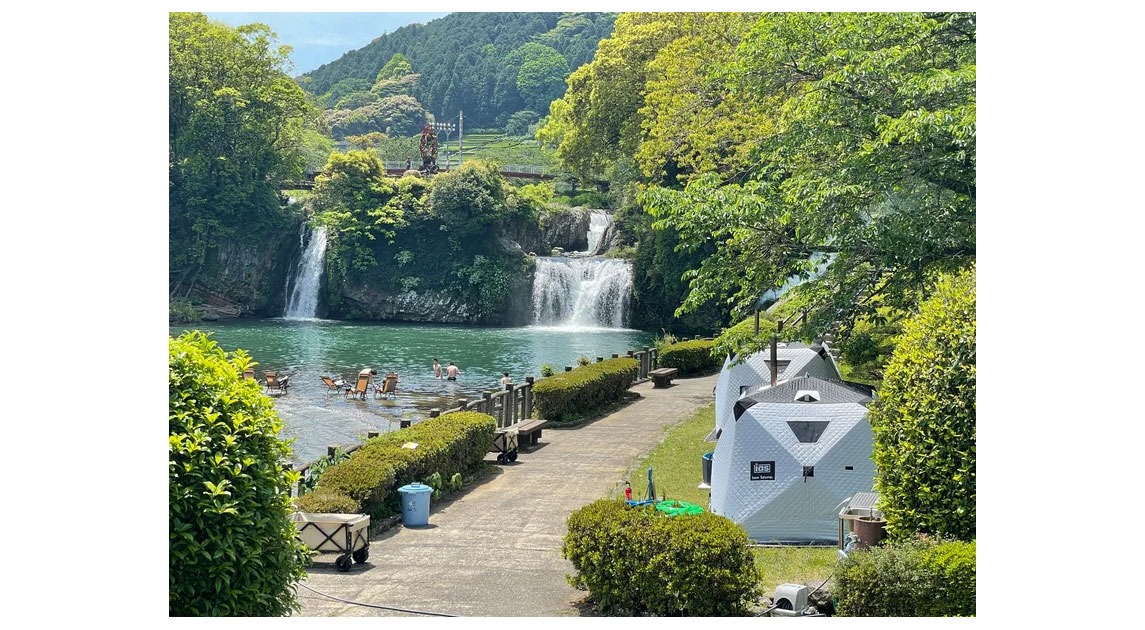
(581, 292)
(597, 224)
(302, 290)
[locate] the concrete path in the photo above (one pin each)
(495, 550)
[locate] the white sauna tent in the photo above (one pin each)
(789, 456)
(793, 359)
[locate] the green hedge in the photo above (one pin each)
(569, 395)
(916, 578)
(638, 561)
(691, 357)
(449, 444)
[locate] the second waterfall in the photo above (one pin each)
(590, 292)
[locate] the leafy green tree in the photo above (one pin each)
(352, 197)
(469, 199)
(236, 122)
(924, 420)
(865, 154)
(519, 123)
(597, 120)
(344, 87)
(398, 66)
(541, 78)
(233, 549)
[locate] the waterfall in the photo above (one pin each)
(302, 290)
(581, 292)
(597, 224)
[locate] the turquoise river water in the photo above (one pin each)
(314, 418)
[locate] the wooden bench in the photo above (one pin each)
(662, 377)
(529, 431)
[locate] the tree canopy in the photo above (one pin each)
(237, 127)
(863, 151)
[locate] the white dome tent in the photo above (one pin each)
(789, 456)
(793, 359)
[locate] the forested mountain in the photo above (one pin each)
(489, 65)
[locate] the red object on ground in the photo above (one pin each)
(628, 493)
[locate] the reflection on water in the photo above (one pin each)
(315, 418)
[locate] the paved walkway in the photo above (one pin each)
(495, 550)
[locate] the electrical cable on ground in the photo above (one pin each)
(394, 608)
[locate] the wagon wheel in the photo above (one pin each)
(513, 455)
(361, 555)
(343, 563)
(500, 458)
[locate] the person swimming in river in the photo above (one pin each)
(436, 369)
(451, 372)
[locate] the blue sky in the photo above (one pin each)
(319, 38)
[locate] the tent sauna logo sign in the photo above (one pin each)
(763, 471)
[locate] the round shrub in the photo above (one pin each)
(912, 578)
(639, 561)
(690, 357)
(233, 549)
(924, 420)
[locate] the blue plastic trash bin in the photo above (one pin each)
(415, 504)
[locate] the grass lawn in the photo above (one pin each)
(677, 471)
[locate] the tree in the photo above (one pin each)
(865, 154)
(235, 131)
(541, 77)
(233, 549)
(924, 420)
(519, 123)
(352, 197)
(597, 120)
(468, 199)
(397, 66)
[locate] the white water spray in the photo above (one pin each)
(581, 292)
(302, 291)
(597, 224)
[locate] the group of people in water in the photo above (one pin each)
(450, 372)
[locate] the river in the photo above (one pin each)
(307, 349)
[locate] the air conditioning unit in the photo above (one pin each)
(791, 597)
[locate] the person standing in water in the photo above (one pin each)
(436, 369)
(451, 372)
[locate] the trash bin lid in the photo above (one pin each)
(415, 488)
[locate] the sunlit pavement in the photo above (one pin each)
(495, 550)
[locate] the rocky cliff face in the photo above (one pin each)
(241, 279)
(566, 229)
(360, 301)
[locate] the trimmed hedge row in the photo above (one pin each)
(635, 561)
(915, 578)
(568, 395)
(691, 357)
(369, 480)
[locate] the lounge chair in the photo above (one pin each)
(360, 388)
(274, 383)
(389, 387)
(335, 385)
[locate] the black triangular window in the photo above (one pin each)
(808, 431)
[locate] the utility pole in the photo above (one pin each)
(460, 134)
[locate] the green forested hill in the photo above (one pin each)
(489, 65)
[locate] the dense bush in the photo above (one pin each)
(569, 395)
(691, 357)
(233, 549)
(924, 420)
(447, 445)
(636, 561)
(914, 578)
(742, 341)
